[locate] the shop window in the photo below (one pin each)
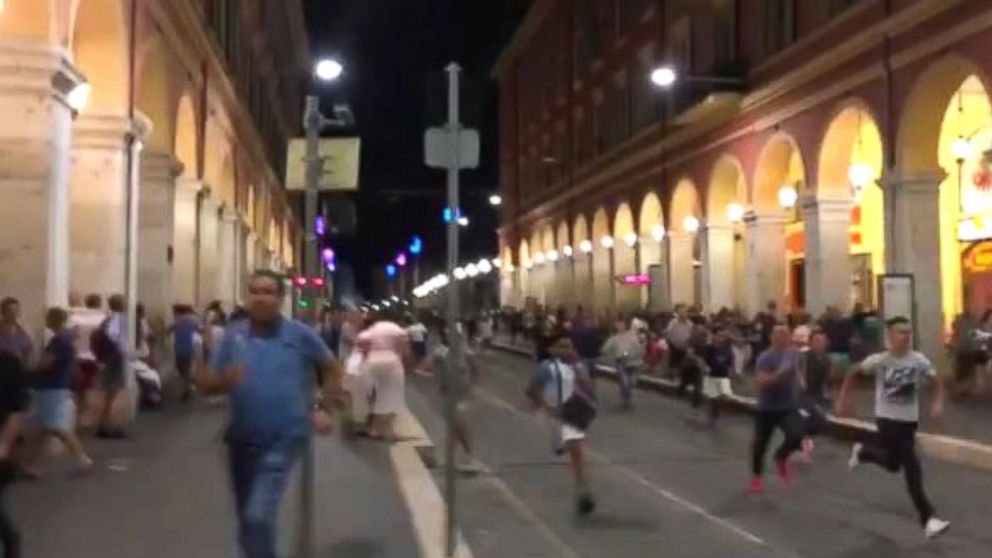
(780, 24)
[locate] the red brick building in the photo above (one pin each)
(855, 144)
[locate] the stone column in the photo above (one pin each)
(209, 265)
(34, 176)
(251, 252)
(227, 260)
(156, 232)
(914, 240)
(681, 263)
(827, 225)
(765, 259)
(98, 214)
(184, 240)
(718, 267)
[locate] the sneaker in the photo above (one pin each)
(585, 504)
(784, 472)
(855, 459)
(756, 485)
(936, 527)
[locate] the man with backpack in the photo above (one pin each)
(109, 346)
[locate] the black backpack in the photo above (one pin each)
(102, 346)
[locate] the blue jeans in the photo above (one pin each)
(259, 472)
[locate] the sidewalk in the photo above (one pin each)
(165, 493)
(963, 436)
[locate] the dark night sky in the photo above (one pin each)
(394, 52)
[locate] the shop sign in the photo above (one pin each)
(635, 280)
(975, 229)
(978, 259)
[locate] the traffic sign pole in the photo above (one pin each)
(454, 336)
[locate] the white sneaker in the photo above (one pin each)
(855, 458)
(936, 527)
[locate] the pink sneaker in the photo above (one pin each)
(784, 472)
(755, 486)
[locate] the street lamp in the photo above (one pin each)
(567, 251)
(735, 212)
(485, 266)
(658, 232)
(553, 256)
(79, 96)
(539, 258)
(497, 263)
(463, 221)
(328, 70)
(606, 242)
(664, 76)
(788, 196)
(471, 270)
(630, 239)
(690, 224)
(495, 200)
(585, 246)
(459, 273)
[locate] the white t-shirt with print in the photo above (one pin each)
(897, 383)
(417, 332)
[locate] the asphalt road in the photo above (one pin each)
(668, 486)
(164, 494)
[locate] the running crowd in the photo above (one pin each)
(802, 370)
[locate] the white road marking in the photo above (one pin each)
(640, 479)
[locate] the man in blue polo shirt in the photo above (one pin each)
(267, 364)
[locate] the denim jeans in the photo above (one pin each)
(259, 472)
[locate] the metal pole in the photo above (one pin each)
(454, 336)
(312, 122)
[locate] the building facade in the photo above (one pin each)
(142, 147)
(846, 140)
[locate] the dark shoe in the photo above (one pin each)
(111, 434)
(585, 505)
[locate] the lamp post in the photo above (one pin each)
(327, 70)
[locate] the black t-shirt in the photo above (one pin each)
(14, 396)
(817, 374)
(719, 359)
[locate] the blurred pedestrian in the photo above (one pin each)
(14, 401)
(14, 338)
(777, 379)
(83, 322)
(54, 411)
(185, 328)
(110, 348)
(387, 349)
(718, 357)
(266, 363)
(900, 373)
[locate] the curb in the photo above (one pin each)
(945, 448)
(421, 494)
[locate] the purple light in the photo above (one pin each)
(320, 226)
(401, 259)
(327, 254)
(331, 267)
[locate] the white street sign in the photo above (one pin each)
(438, 152)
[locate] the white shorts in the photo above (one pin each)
(717, 387)
(568, 433)
(385, 370)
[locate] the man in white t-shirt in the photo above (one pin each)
(417, 332)
(899, 374)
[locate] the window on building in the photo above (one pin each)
(632, 12)
(724, 32)
(680, 45)
(780, 24)
(618, 110)
(645, 100)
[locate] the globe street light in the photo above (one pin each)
(495, 200)
(585, 246)
(690, 224)
(79, 96)
(664, 76)
(567, 251)
(658, 232)
(735, 212)
(787, 197)
(328, 70)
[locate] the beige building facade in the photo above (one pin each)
(142, 148)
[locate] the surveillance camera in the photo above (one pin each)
(343, 114)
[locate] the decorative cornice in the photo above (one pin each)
(37, 67)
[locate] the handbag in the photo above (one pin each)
(577, 410)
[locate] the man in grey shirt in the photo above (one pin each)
(899, 374)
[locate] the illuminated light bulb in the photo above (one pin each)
(690, 224)
(658, 232)
(735, 212)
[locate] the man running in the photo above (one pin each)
(625, 349)
(899, 373)
(265, 363)
(557, 380)
(777, 377)
(817, 368)
(718, 355)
